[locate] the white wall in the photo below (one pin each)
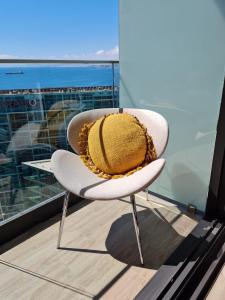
(172, 57)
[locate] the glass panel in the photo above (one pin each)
(172, 58)
(36, 104)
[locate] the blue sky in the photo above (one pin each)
(75, 29)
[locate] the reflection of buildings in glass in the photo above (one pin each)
(33, 125)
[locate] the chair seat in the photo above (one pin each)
(76, 178)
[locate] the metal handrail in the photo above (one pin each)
(56, 61)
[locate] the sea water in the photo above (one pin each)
(59, 76)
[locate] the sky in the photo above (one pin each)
(63, 29)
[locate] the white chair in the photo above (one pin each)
(76, 178)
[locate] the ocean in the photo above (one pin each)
(59, 76)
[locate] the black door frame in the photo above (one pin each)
(215, 207)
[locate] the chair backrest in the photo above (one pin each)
(156, 125)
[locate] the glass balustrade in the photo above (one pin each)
(37, 101)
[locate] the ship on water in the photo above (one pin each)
(14, 73)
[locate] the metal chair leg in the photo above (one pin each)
(137, 230)
(146, 194)
(65, 205)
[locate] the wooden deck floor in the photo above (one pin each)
(217, 291)
(99, 256)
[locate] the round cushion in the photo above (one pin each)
(116, 145)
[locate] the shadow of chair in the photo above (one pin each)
(159, 239)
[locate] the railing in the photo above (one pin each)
(38, 98)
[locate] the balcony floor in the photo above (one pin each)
(99, 255)
(217, 291)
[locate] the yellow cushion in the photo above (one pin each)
(116, 145)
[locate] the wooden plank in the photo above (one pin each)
(218, 290)
(23, 286)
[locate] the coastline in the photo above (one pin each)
(58, 90)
